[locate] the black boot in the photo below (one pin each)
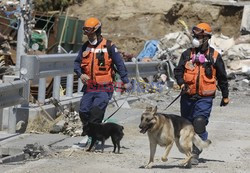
(83, 117)
(96, 115)
(196, 152)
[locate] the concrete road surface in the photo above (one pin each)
(229, 130)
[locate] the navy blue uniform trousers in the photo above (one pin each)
(94, 99)
(192, 108)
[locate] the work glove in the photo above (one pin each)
(84, 78)
(224, 102)
(184, 88)
(128, 87)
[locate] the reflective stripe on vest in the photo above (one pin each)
(96, 63)
(96, 50)
(198, 82)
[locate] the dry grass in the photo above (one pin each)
(41, 124)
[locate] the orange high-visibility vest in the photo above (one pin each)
(195, 77)
(97, 64)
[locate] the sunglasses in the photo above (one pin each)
(88, 30)
(197, 31)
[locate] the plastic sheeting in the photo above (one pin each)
(149, 50)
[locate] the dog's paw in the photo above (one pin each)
(88, 150)
(188, 166)
(148, 166)
(164, 159)
(184, 164)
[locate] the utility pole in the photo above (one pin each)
(25, 27)
(60, 48)
(20, 50)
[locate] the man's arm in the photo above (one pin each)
(77, 64)
(121, 68)
(221, 76)
(179, 70)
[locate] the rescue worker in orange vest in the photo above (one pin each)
(94, 65)
(199, 71)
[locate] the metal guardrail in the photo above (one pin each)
(40, 67)
(12, 93)
(43, 66)
(145, 68)
(34, 67)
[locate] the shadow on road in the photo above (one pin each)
(164, 166)
(201, 160)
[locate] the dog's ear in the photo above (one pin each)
(149, 109)
(155, 110)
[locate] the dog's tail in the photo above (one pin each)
(199, 143)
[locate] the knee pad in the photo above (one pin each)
(96, 115)
(199, 124)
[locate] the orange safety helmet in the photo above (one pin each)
(202, 29)
(91, 25)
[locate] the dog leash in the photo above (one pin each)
(118, 107)
(115, 101)
(181, 93)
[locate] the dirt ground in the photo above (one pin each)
(229, 130)
(130, 23)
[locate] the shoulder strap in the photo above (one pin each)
(109, 45)
(84, 46)
(215, 55)
(188, 54)
(212, 55)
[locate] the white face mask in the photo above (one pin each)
(196, 42)
(94, 42)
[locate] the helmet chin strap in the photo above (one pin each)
(201, 47)
(97, 40)
(94, 42)
(205, 43)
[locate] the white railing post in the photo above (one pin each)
(69, 86)
(56, 87)
(12, 120)
(42, 90)
(1, 119)
(80, 85)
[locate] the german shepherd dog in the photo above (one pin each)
(164, 130)
(103, 131)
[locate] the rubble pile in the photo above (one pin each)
(70, 124)
(74, 125)
(67, 122)
(35, 151)
(156, 21)
(235, 53)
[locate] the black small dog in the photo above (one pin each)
(102, 132)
